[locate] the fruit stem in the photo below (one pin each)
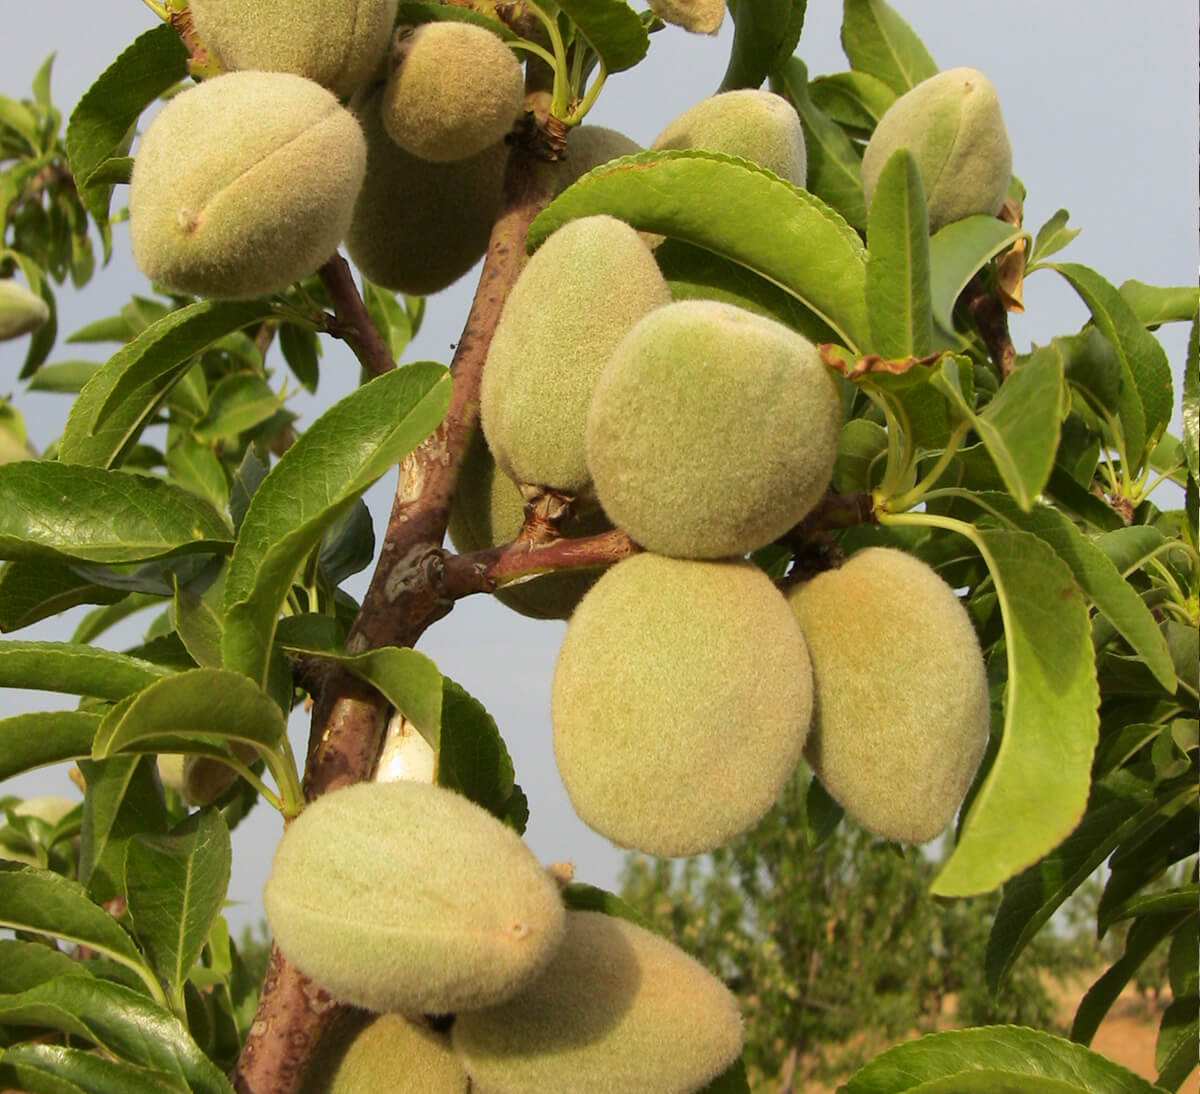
(534, 48)
(589, 99)
(558, 103)
(913, 496)
(158, 9)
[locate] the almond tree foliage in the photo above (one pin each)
(1023, 480)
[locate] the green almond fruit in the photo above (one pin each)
(589, 146)
(680, 702)
(952, 125)
(336, 43)
(407, 897)
(244, 184)
(618, 1009)
(390, 1054)
(20, 311)
(901, 709)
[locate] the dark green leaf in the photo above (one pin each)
(1034, 795)
(1185, 898)
(1175, 1051)
(853, 100)
(199, 628)
(44, 737)
(30, 591)
(1052, 237)
(314, 484)
(959, 251)
(472, 758)
(102, 118)
(194, 464)
(587, 898)
(765, 34)
(237, 403)
(391, 318)
(878, 42)
(612, 28)
(74, 669)
(898, 300)
(414, 12)
(1092, 367)
(349, 545)
(1158, 304)
(731, 1081)
(118, 402)
(57, 511)
(175, 885)
(57, 1069)
(993, 1060)
(834, 167)
(24, 964)
(739, 211)
(301, 350)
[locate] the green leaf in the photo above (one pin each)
(1191, 402)
(44, 737)
(238, 403)
(739, 211)
(124, 797)
(31, 591)
(301, 349)
(57, 511)
(853, 100)
(1145, 934)
(1037, 788)
(898, 294)
(878, 42)
(121, 1021)
(189, 708)
(311, 487)
(74, 669)
(48, 904)
(412, 13)
(588, 898)
(118, 402)
(175, 885)
(24, 964)
(1157, 304)
(612, 28)
(1183, 898)
(765, 33)
(103, 117)
(348, 546)
(67, 377)
(696, 274)
(1119, 805)
(834, 167)
(1175, 1051)
(1146, 393)
(1052, 237)
(731, 1081)
(199, 628)
(393, 320)
(993, 1060)
(957, 253)
(56, 1069)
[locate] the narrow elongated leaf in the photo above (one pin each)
(957, 253)
(102, 118)
(588, 898)
(898, 300)
(1102, 582)
(1190, 410)
(55, 511)
(74, 669)
(765, 34)
(1052, 236)
(123, 1022)
(473, 760)
(175, 885)
(205, 704)
(311, 487)
(834, 167)
(45, 737)
(1144, 368)
(1145, 934)
(57, 1069)
(731, 1081)
(1020, 426)
(1175, 1050)
(1037, 788)
(739, 211)
(1157, 304)
(612, 28)
(1119, 805)
(993, 1060)
(117, 403)
(878, 42)
(63, 376)
(31, 591)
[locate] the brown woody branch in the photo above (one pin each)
(406, 594)
(354, 325)
(990, 316)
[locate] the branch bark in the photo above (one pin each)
(354, 324)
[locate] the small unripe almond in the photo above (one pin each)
(402, 896)
(20, 311)
(589, 146)
(901, 707)
(391, 1055)
(618, 1009)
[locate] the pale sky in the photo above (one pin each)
(1100, 105)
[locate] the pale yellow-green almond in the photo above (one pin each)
(618, 1009)
(391, 1055)
(489, 509)
(580, 292)
(20, 310)
(680, 702)
(244, 184)
(952, 125)
(901, 709)
(757, 125)
(402, 896)
(336, 43)
(698, 16)
(712, 430)
(419, 226)
(455, 89)
(589, 146)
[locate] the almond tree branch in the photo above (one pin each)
(354, 324)
(991, 317)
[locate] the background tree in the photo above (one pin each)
(944, 456)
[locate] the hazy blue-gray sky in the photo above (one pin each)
(1100, 104)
